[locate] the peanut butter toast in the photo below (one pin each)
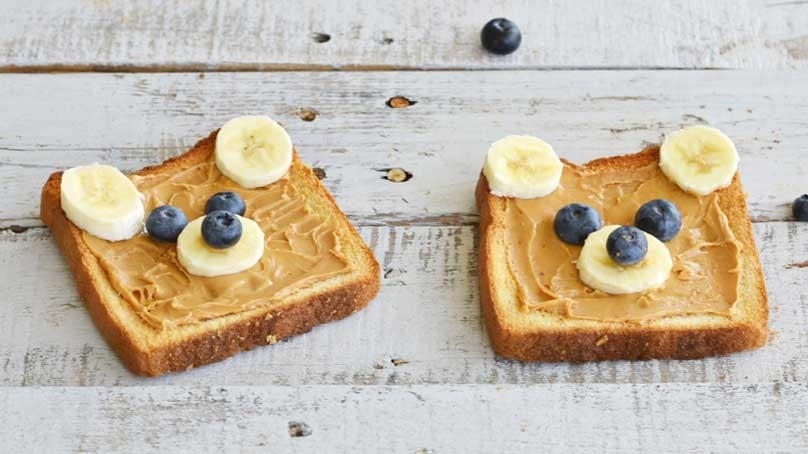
(160, 318)
(537, 308)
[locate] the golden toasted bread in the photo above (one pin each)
(154, 350)
(519, 331)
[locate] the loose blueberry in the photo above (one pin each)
(221, 229)
(800, 208)
(660, 218)
(575, 222)
(501, 36)
(165, 223)
(226, 201)
(627, 245)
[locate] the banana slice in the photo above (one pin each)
(523, 167)
(253, 151)
(200, 259)
(699, 159)
(597, 270)
(102, 201)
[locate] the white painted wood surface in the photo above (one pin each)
(414, 372)
(54, 121)
(674, 418)
(239, 34)
(424, 331)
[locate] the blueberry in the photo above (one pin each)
(627, 245)
(226, 201)
(221, 229)
(575, 222)
(800, 208)
(165, 223)
(659, 218)
(501, 36)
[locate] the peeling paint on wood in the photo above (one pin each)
(425, 326)
(143, 119)
(155, 35)
(671, 418)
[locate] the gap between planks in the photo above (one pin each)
(264, 67)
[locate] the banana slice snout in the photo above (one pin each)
(524, 167)
(102, 201)
(599, 271)
(253, 151)
(200, 259)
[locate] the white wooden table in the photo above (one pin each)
(133, 83)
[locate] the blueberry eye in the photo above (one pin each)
(165, 223)
(574, 222)
(660, 218)
(226, 201)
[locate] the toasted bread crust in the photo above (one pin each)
(591, 341)
(231, 334)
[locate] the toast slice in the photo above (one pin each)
(151, 350)
(520, 331)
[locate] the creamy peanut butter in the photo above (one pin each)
(705, 253)
(301, 247)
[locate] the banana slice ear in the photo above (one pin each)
(524, 167)
(699, 159)
(253, 151)
(102, 201)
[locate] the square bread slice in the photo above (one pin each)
(520, 331)
(152, 351)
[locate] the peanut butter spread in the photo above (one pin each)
(301, 248)
(705, 253)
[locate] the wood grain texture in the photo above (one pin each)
(54, 121)
(248, 35)
(670, 418)
(425, 326)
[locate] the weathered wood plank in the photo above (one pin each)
(233, 34)
(425, 326)
(670, 418)
(57, 121)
